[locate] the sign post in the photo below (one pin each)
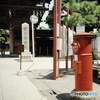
(20, 50)
(34, 20)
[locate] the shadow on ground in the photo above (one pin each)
(63, 96)
(8, 56)
(48, 74)
(97, 81)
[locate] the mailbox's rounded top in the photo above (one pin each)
(84, 34)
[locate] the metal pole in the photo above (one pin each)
(20, 57)
(67, 50)
(33, 40)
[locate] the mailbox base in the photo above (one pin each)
(84, 95)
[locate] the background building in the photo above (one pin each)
(15, 12)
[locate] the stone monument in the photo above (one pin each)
(26, 55)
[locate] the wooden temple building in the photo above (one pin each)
(15, 12)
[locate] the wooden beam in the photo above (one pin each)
(25, 7)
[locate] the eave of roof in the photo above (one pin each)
(21, 7)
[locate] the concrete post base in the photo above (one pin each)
(77, 95)
(20, 73)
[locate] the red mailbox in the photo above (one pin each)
(82, 47)
(20, 48)
(83, 67)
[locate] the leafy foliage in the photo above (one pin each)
(84, 13)
(4, 36)
(97, 13)
(87, 7)
(50, 20)
(72, 5)
(96, 33)
(75, 19)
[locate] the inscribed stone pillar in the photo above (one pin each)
(25, 36)
(26, 55)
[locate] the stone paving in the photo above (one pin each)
(37, 83)
(14, 87)
(56, 89)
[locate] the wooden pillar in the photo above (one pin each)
(55, 67)
(67, 51)
(58, 28)
(67, 10)
(11, 41)
(57, 17)
(43, 3)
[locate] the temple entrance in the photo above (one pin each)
(44, 43)
(44, 46)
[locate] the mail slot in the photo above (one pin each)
(77, 67)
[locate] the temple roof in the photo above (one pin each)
(22, 4)
(15, 12)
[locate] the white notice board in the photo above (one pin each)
(80, 29)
